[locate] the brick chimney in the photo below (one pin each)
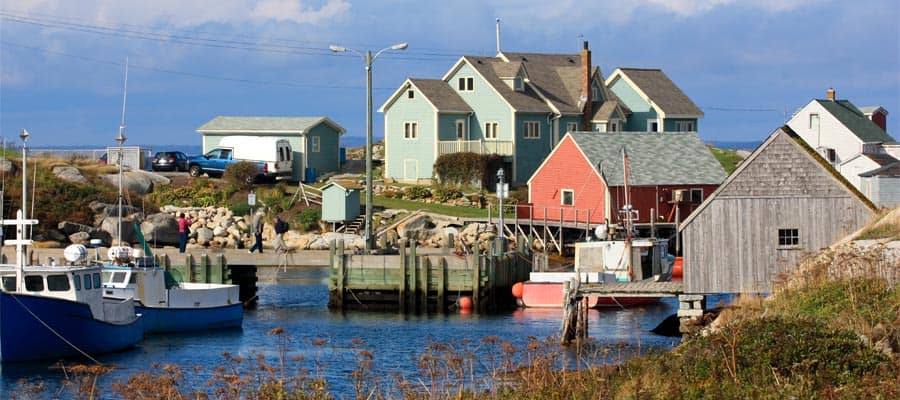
(588, 108)
(830, 94)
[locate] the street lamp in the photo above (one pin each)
(369, 59)
(501, 193)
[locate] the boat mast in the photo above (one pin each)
(20, 226)
(121, 139)
(627, 213)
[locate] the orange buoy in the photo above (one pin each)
(465, 303)
(518, 289)
(678, 267)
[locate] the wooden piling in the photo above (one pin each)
(404, 263)
(442, 286)
(341, 275)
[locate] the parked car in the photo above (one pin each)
(102, 159)
(169, 161)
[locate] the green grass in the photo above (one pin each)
(464, 212)
(728, 158)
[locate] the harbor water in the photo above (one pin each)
(330, 341)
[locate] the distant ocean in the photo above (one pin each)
(189, 149)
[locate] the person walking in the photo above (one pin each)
(256, 226)
(183, 228)
(280, 228)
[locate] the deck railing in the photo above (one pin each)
(501, 147)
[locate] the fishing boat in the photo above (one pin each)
(57, 311)
(165, 304)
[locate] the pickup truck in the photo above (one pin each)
(215, 161)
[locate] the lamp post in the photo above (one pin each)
(369, 59)
(501, 193)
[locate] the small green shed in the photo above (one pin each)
(340, 201)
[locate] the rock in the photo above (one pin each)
(219, 231)
(204, 236)
(413, 228)
(68, 228)
(111, 225)
(318, 244)
(69, 173)
(7, 166)
(668, 327)
(56, 235)
(137, 181)
(82, 238)
(161, 229)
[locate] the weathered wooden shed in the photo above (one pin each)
(781, 203)
(340, 201)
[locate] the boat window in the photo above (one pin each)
(58, 283)
(133, 278)
(77, 281)
(106, 276)
(9, 283)
(87, 281)
(97, 281)
(118, 277)
(34, 283)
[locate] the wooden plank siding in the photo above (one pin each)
(731, 242)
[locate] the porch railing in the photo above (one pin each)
(501, 147)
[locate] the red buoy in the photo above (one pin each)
(465, 303)
(518, 289)
(678, 267)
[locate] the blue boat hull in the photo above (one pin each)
(170, 320)
(24, 337)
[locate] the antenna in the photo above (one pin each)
(498, 36)
(124, 97)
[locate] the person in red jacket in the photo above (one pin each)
(183, 228)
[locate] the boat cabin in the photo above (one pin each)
(80, 284)
(610, 259)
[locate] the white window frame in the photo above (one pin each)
(531, 130)
(684, 126)
(814, 116)
(491, 130)
(461, 129)
(465, 84)
(650, 123)
(410, 130)
(562, 196)
(612, 125)
(695, 197)
(316, 144)
(571, 126)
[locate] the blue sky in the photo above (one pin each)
(745, 63)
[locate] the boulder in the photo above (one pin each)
(68, 228)
(69, 173)
(7, 166)
(204, 236)
(414, 227)
(137, 181)
(111, 225)
(82, 238)
(161, 229)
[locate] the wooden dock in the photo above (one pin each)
(576, 294)
(415, 283)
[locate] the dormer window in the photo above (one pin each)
(466, 84)
(518, 84)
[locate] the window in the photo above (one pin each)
(813, 121)
(518, 84)
(316, 144)
(613, 125)
(788, 237)
(410, 94)
(466, 84)
(77, 279)
(490, 130)
(696, 196)
(87, 281)
(97, 280)
(567, 197)
(571, 126)
(9, 283)
(34, 283)
(410, 130)
(226, 154)
(532, 130)
(460, 129)
(58, 283)
(684, 126)
(118, 277)
(652, 125)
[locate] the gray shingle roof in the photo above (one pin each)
(855, 121)
(264, 124)
(667, 158)
(662, 91)
(441, 95)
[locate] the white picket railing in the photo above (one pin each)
(501, 147)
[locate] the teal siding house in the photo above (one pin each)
(340, 202)
(653, 101)
(516, 105)
(315, 140)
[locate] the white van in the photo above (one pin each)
(274, 155)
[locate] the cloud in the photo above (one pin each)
(180, 13)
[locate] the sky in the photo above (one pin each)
(748, 64)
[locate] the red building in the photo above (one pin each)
(583, 178)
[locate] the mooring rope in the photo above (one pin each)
(88, 356)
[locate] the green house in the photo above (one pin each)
(340, 202)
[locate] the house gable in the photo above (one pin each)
(568, 168)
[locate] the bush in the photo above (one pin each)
(309, 218)
(444, 193)
(392, 193)
(275, 199)
(459, 168)
(201, 193)
(241, 175)
(416, 192)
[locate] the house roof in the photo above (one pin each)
(854, 119)
(872, 109)
(794, 138)
(298, 125)
(607, 110)
(664, 94)
(892, 169)
(441, 95)
(655, 158)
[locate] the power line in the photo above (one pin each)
(183, 73)
(737, 109)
